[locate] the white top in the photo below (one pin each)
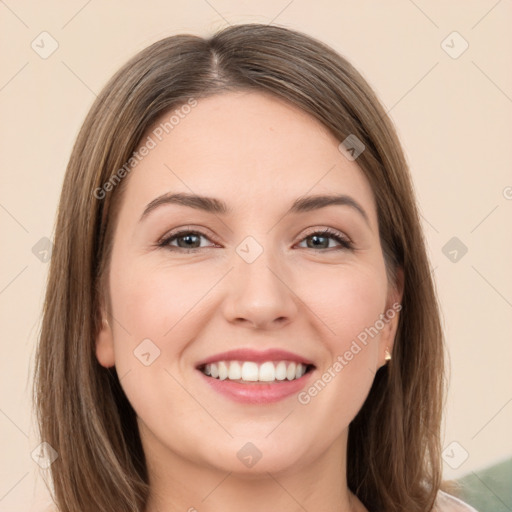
(448, 503)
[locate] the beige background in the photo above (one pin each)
(453, 116)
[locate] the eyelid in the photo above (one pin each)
(327, 231)
(187, 229)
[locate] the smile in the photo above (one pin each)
(252, 376)
(250, 371)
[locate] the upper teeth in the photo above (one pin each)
(252, 372)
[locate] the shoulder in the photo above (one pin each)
(448, 503)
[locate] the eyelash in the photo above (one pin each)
(329, 233)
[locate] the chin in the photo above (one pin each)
(251, 458)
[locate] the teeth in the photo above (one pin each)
(235, 371)
(267, 372)
(248, 371)
(290, 373)
(281, 370)
(223, 370)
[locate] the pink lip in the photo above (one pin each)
(258, 393)
(244, 354)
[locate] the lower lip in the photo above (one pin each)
(261, 393)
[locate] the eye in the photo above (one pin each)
(321, 239)
(186, 240)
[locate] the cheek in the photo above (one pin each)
(347, 299)
(347, 304)
(157, 312)
(154, 302)
(153, 311)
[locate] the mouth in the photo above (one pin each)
(252, 377)
(251, 372)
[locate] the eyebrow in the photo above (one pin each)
(217, 206)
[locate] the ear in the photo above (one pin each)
(391, 316)
(105, 345)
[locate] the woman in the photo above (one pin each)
(240, 311)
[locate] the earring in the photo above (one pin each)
(387, 355)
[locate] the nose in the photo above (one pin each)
(260, 294)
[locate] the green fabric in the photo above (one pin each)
(490, 489)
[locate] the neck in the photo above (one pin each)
(179, 485)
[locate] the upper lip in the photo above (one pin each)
(247, 354)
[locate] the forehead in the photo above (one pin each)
(249, 149)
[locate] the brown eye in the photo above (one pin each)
(322, 239)
(186, 240)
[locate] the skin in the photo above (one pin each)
(258, 154)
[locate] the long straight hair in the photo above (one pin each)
(393, 460)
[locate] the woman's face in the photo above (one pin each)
(257, 279)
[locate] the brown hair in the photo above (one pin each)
(393, 459)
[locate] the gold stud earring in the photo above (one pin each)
(387, 355)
